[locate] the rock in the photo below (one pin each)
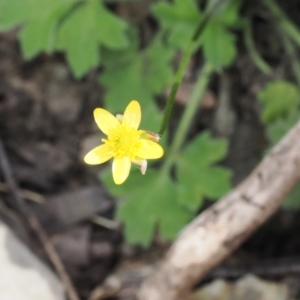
(252, 287)
(61, 95)
(217, 290)
(22, 275)
(73, 246)
(247, 288)
(102, 250)
(64, 210)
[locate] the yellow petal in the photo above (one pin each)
(132, 115)
(105, 120)
(149, 150)
(98, 155)
(121, 169)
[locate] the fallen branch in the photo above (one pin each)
(20, 205)
(219, 230)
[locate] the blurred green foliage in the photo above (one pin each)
(181, 18)
(198, 177)
(271, 96)
(279, 117)
(148, 203)
(281, 98)
(159, 201)
(92, 35)
(73, 26)
(136, 74)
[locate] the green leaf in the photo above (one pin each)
(279, 98)
(40, 33)
(181, 19)
(136, 75)
(277, 129)
(149, 202)
(197, 178)
(275, 132)
(90, 26)
(204, 150)
(230, 14)
(71, 25)
(190, 195)
(40, 24)
(218, 45)
(13, 13)
(135, 179)
(292, 200)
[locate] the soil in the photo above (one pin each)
(46, 125)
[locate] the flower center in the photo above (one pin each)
(123, 141)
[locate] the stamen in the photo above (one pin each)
(124, 141)
(142, 164)
(144, 167)
(119, 117)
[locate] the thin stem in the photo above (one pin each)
(208, 14)
(288, 26)
(291, 51)
(258, 60)
(189, 113)
(290, 34)
(178, 78)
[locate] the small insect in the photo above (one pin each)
(153, 136)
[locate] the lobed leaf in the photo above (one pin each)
(204, 150)
(136, 75)
(82, 34)
(181, 18)
(277, 129)
(39, 19)
(218, 45)
(292, 200)
(197, 177)
(279, 98)
(13, 13)
(149, 202)
(73, 26)
(39, 34)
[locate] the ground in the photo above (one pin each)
(46, 125)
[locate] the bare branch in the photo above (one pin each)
(219, 230)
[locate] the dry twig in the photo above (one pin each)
(26, 194)
(219, 230)
(24, 210)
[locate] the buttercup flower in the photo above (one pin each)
(124, 142)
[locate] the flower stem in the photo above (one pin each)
(290, 35)
(283, 21)
(190, 111)
(292, 53)
(258, 60)
(208, 14)
(178, 78)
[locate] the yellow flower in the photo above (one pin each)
(124, 142)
